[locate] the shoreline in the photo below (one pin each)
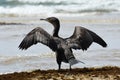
(106, 72)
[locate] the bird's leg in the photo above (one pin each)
(59, 66)
(70, 68)
(58, 59)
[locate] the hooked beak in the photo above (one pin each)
(44, 19)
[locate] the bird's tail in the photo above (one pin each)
(74, 61)
(70, 57)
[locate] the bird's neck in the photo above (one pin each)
(56, 29)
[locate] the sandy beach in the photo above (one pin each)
(104, 73)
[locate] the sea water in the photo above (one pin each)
(57, 7)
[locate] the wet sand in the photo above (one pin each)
(104, 73)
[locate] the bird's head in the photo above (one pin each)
(52, 20)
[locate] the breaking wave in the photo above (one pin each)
(57, 7)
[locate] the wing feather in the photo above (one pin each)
(38, 35)
(97, 39)
(82, 38)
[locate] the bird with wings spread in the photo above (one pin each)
(82, 38)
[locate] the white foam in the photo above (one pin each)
(51, 7)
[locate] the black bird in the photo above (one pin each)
(82, 38)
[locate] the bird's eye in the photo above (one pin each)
(52, 19)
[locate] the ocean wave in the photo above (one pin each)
(13, 3)
(43, 11)
(44, 1)
(6, 60)
(87, 11)
(57, 7)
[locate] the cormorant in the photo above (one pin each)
(82, 38)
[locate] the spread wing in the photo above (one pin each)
(38, 35)
(82, 38)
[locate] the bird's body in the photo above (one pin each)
(82, 38)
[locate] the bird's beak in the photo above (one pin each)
(44, 19)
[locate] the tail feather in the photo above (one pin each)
(74, 61)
